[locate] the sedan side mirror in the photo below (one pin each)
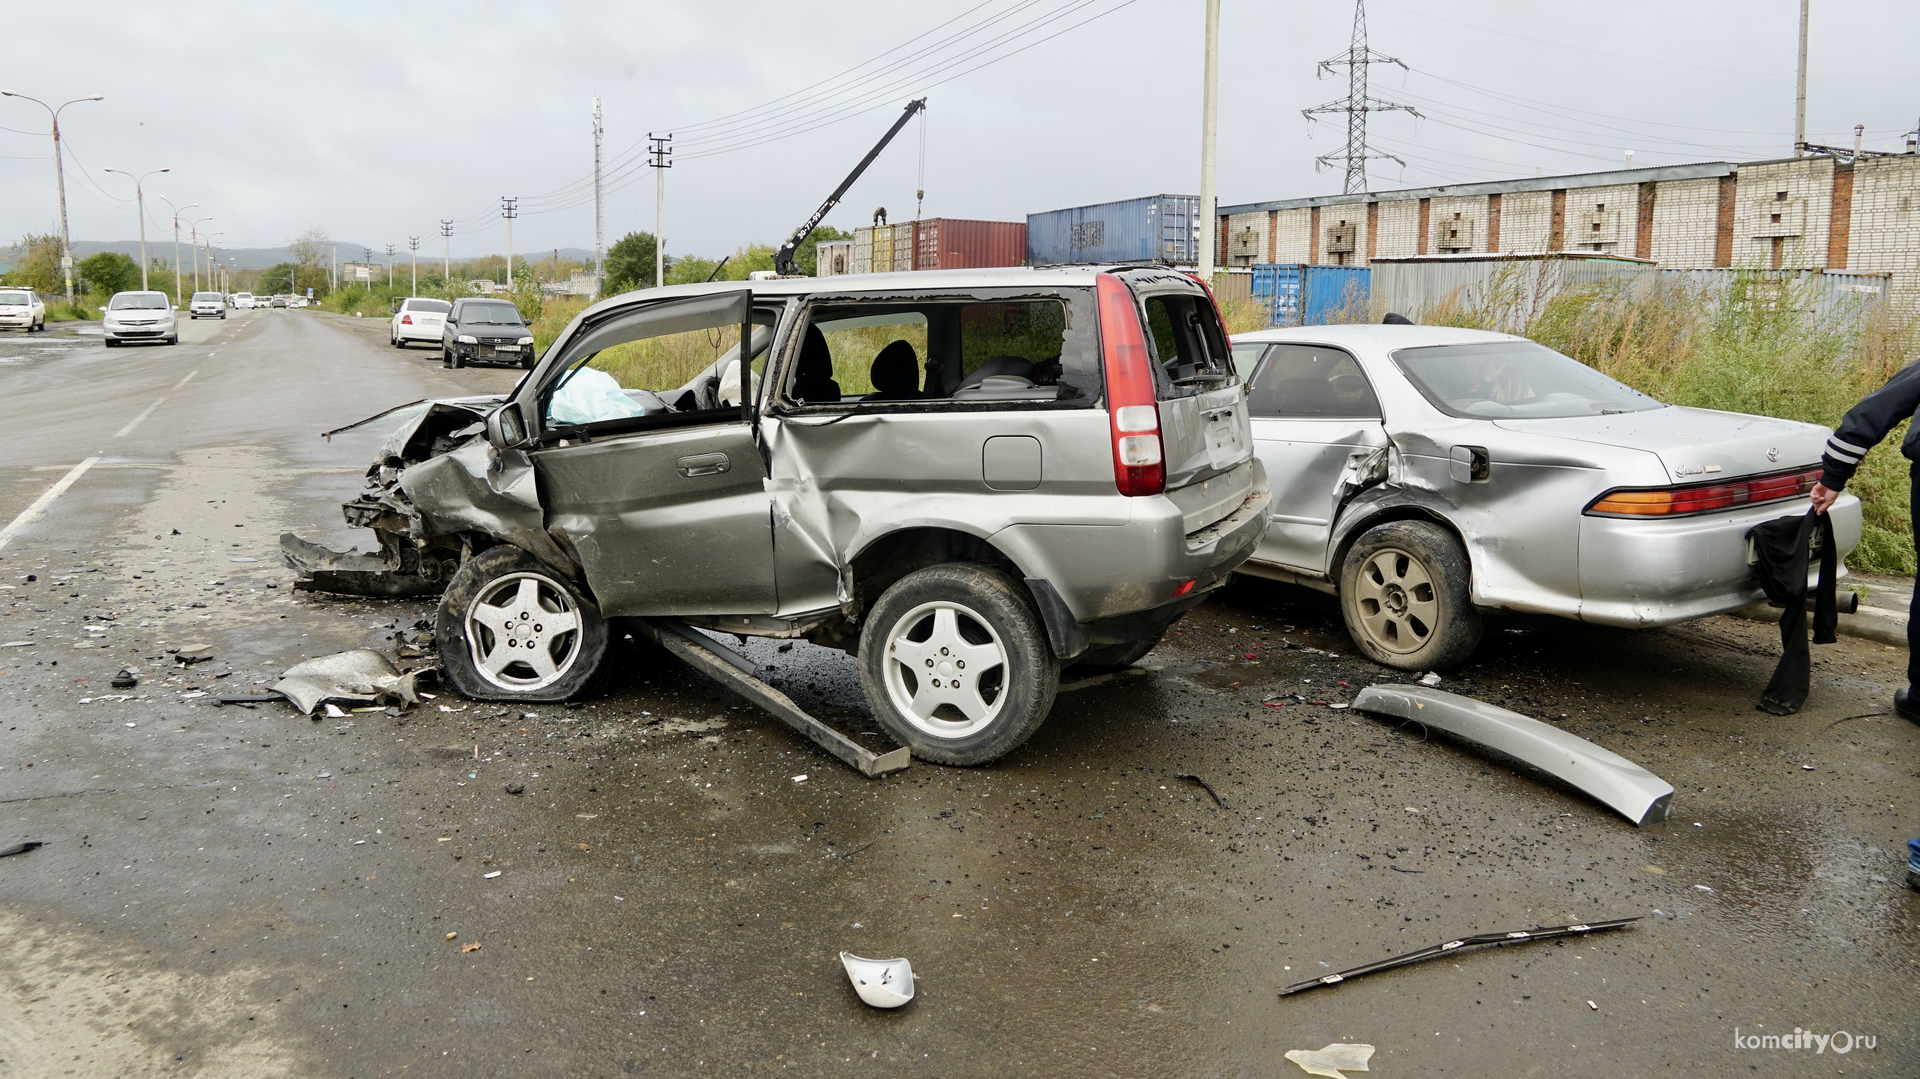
(103, 308)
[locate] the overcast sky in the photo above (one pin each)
(374, 120)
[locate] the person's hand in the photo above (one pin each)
(1823, 498)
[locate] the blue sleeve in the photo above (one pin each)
(1866, 423)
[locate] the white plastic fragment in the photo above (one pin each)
(882, 983)
(490, 876)
(1430, 679)
(1333, 1059)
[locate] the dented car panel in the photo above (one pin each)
(1514, 490)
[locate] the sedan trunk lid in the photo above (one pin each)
(1694, 444)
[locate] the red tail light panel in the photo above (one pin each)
(1687, 500)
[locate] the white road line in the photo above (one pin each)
(135, 422)
(186, 380)
(38, 509)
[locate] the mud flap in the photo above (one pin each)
(731, 670)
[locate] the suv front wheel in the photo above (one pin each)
(510, 629)
(954, 663)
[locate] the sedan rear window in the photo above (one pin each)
(1514, 380)
(431, 307)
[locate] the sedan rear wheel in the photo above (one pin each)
(509, 628)
(954, 663)
(1404, 592)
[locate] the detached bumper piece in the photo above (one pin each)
(1620, 784)
(1518, 936)
(351, 573)
(732, 670)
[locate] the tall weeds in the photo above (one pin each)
(1759, 344)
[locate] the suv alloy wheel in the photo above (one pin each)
(955, 664)
(509, 628)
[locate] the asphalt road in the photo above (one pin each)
(245, 892)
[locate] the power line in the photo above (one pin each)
(1357, 104)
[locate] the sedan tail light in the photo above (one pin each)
(406, 320)
(1695, 498)
(1132, 409)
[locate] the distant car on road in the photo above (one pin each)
(139, 316)
(416, 318)
(22, 309)
(207, 305)
(485, 331)
(277, 301)
(1425, 475)
(243, 301)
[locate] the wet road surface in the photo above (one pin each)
(234, 891)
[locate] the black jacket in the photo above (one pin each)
(1866, 423)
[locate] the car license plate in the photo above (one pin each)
(506, 348)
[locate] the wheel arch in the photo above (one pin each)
(889, 556)
(1351, 531)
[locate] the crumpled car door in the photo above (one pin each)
(1318, 431)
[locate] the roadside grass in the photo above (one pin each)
(1759, 345)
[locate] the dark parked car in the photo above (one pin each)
(485, 331)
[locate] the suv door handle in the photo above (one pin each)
(703, 464)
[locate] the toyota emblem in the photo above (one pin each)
(1773, 453)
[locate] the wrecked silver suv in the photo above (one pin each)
(969, 479)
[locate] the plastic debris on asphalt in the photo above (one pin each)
(1331, 1060)
(35, 844)
(882, 983)
(1430, 679)
(361, 676)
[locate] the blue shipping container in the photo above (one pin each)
(1158, 228)
(1302, 295)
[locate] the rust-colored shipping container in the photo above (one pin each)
(945, 243)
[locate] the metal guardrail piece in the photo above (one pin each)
(1622, 785)
(734, 671)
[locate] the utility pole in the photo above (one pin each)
(446, 254)
(333, 276)
(413, 245)
(1800, 93)
(176, 247)
(1357, 104)
(657, 161)
(140, 207)
(599, 252)
(59, 179)
(1209, 140)
(193, 234)
(389, 265)
(509, 209)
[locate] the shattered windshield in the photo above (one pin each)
(496, 314)
(1514, 380)
(139, 301)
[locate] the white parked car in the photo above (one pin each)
(21, 309)
(207, 305)
(418, 319)
(1426, 475)
(243, 301)
(139, 316)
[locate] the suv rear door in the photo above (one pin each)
(1204, 433)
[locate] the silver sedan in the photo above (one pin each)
(1426, 475)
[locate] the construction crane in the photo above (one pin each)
(783, 259)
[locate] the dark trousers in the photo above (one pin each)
(1913, 608)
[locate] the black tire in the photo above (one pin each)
(987, 614)
(459, 361)
(575, 659)
(1404, 590)
(397, 343)
(527, 362)
(446, 358)
(174, 340)
(1113, 657)
(111, 343)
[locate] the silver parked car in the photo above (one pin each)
(968, 478)
(1425, 475)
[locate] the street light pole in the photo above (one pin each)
(446, 253)
(193, 233)
(176, 246)
(1209, 142)
(140, 207)
(59, 179)
(413, 245)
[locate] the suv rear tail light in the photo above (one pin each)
(1696, 498)
(1132, 409)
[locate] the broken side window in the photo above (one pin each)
(663, 364)
(1188, 341)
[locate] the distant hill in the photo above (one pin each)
(259, 258)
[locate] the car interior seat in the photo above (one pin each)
(895, 374)
(813, 382)
(999, 365)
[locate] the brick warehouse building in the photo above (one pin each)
(1820, 212)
